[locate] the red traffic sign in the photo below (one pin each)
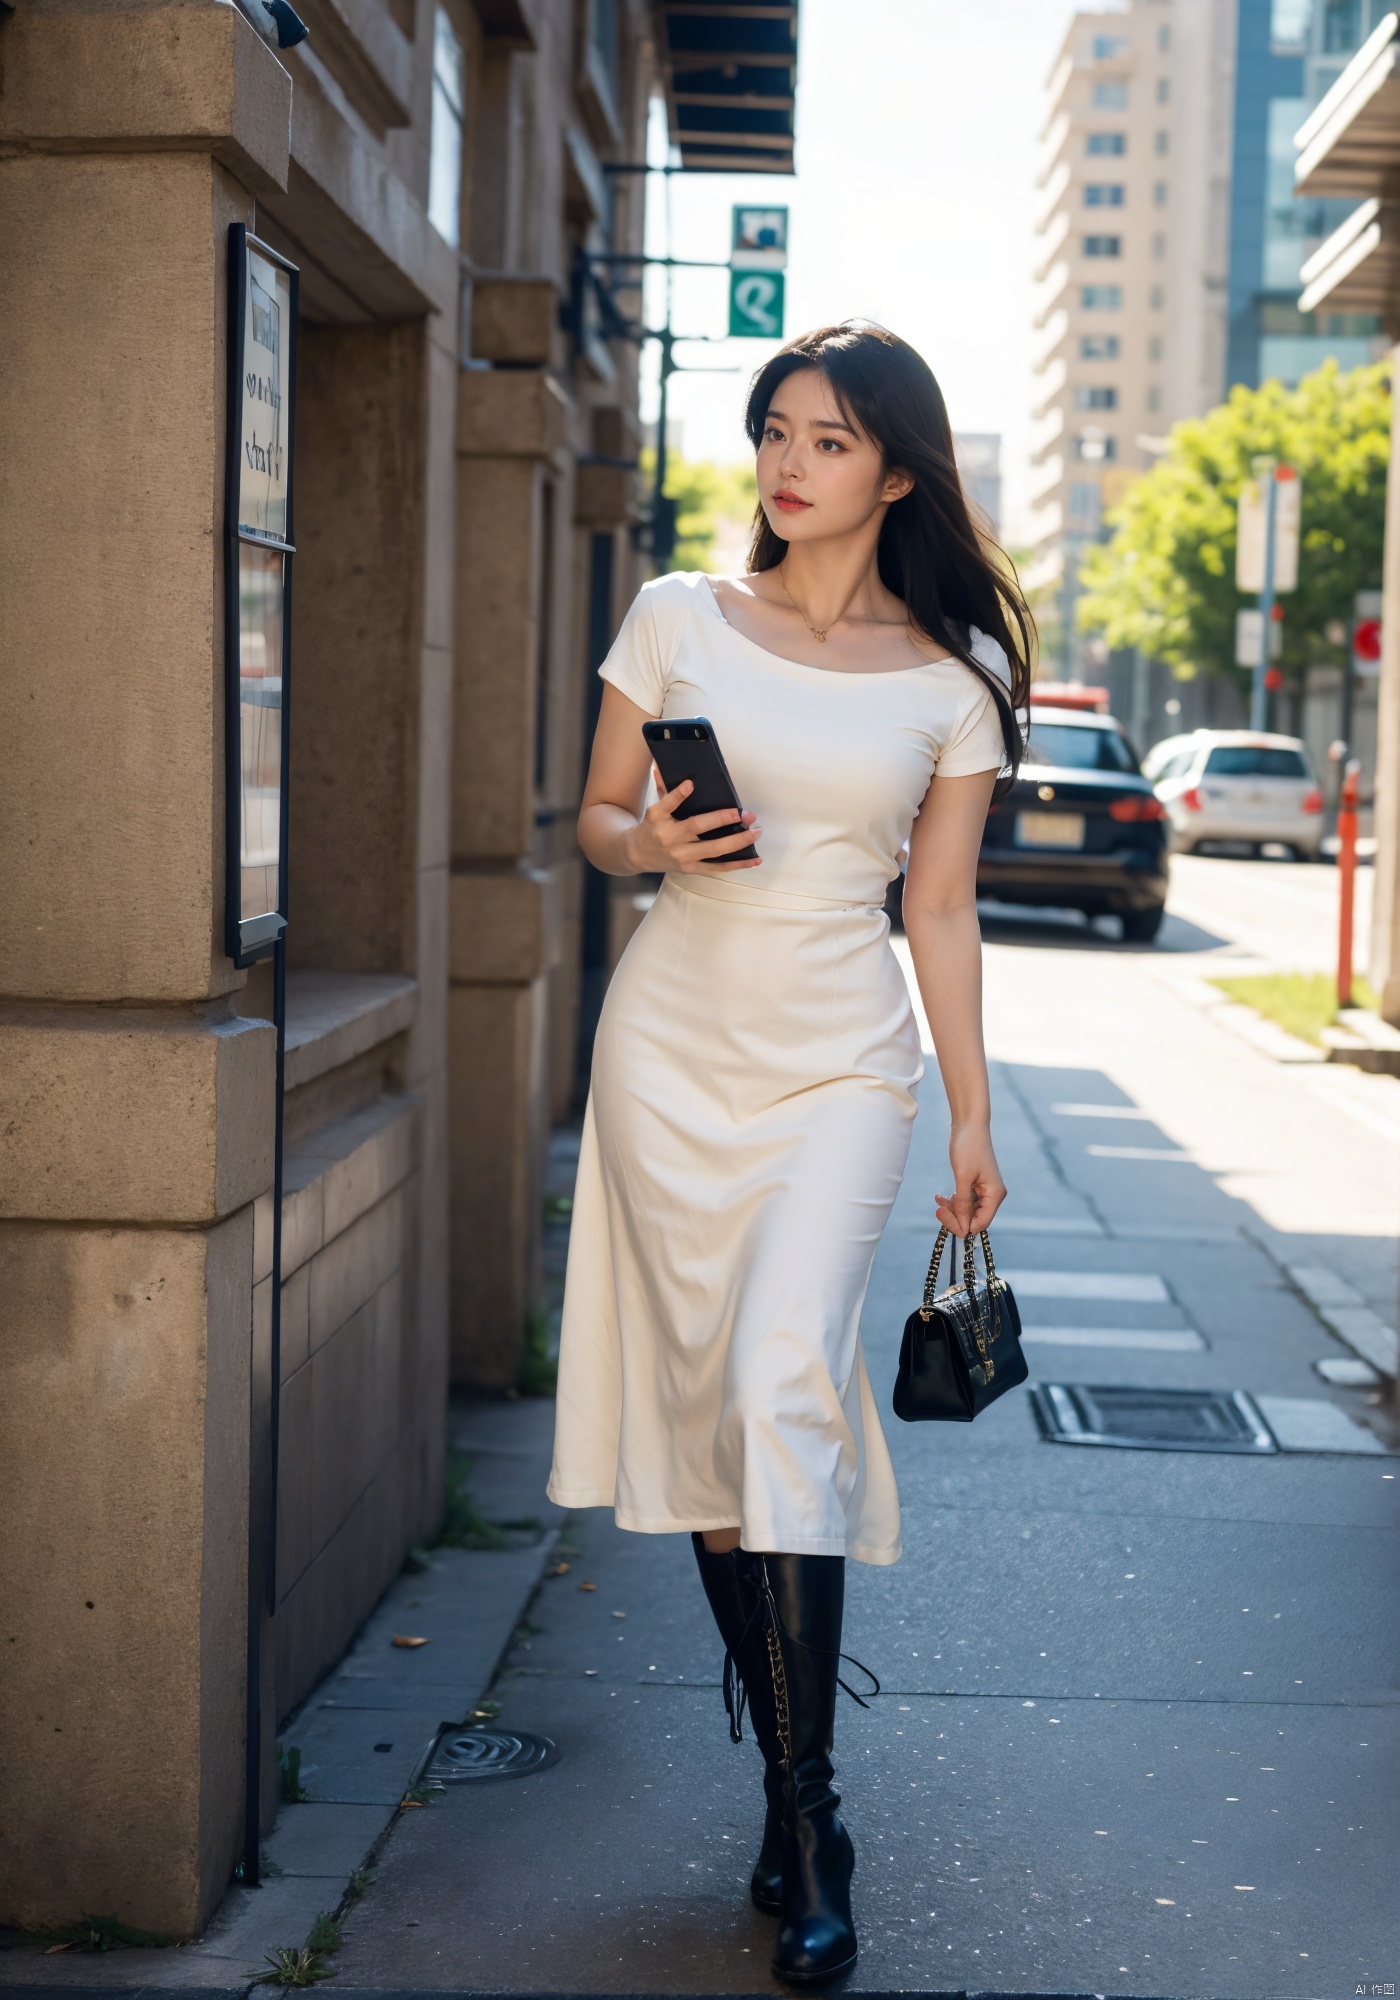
(1366, 640)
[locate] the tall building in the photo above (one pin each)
(1101, 306)
(979, 462)
(1170, 242)
(1289, 53)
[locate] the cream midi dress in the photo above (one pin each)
(751, 1106)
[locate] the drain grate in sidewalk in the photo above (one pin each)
(1151, 1419)
(467, 1754)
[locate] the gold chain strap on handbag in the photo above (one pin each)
(986, 1324)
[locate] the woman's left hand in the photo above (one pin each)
(980, 1187)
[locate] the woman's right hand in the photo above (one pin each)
(662, 844)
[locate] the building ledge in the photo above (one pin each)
(333, 1178)
(1357, 269)
(1351, 143)
(332, 1017)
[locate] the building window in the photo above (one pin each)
(1159, 245)
(445, 146)
(1098, 347)
(1101, 298)
(1341, 26)
(1156, 298)
(1162, 142)
(1104, 194)
(1094, 447)
(1288, 26)
(1108, 96)
(1286, 220)
(1159, 193)
(1110, 48)
(1103, 246)
(1164, 90)
(1095, 398)
(1154, 397)
(1154, 347)
(1164, 37)
(1115, 143)
(1084, 504)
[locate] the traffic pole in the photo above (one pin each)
(1346, 874)
(1259, 693)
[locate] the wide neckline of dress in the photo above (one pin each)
(831, 673)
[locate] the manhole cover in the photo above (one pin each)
(489, 1753)
(1151, 1419)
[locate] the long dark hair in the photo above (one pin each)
(950, 573)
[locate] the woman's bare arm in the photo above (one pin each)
(940, 922)
(618, 836)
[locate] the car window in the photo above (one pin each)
(1154, 764)
(1085, 749)
(1250, 760)
(1177, 766)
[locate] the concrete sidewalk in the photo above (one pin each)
(363, 1735)
(1140, 1719)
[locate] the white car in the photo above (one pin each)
(1238, 788)
(1161, 754)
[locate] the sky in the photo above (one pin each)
(917, 123)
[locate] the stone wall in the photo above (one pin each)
(454, 470)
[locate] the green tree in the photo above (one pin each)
(1165, 581)
(714, 507)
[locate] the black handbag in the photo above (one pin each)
(963, 1350)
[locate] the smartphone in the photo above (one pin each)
(685, 747)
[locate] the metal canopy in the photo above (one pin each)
(729, 69)
(1351, 143)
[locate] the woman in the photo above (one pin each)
(755, 1064)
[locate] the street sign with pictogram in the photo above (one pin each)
(755, 305)
(759, 238)
(757, 258)
(1366, 635)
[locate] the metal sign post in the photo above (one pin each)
(1269, 522)
(258, 551)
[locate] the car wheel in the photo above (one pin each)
(1141, 926)
(1303, 853)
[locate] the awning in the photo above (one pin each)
(1357, 270)
(1351, 143)
(729, 70)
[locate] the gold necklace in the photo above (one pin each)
(817, 631)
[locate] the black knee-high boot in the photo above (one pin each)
(802, 1600)
(734, 1600)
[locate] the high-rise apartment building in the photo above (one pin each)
(1170, 240)
(1288, 55)
(1106, 180)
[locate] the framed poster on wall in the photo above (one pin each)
(257, 590)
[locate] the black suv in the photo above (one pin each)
(1081, 829)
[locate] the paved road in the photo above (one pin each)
(1283, 912)
(1140, 1725)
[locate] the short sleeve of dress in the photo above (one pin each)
(976, 743)
(636, 664)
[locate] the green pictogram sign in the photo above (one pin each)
(756, 305)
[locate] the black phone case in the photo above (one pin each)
(691, 751)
